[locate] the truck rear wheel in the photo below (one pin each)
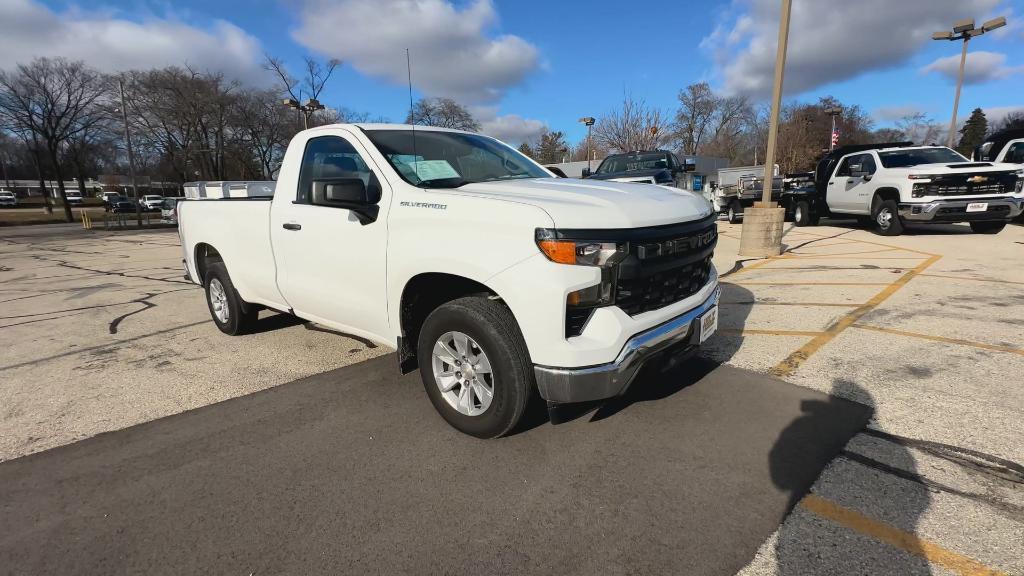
(475, 366)
(803, 215)
(231, 314)
(887, 218)
(987, 227)
(735, 212)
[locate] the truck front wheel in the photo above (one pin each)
(231, 314)
(475, 366)
(887, 218)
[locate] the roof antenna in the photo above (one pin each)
(412, 116)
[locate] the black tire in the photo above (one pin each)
(241, 316)
(491, 325)
(803, 214)
(987, 227)
(735, 212)
(886, 216)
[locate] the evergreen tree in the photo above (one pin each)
(973, 132)
(526, 150)
(552, 148)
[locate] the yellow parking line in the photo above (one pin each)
(755, 332)
(769, 303)
(958, 341)
(893, 536)
(974, 279)
(755, 283)
(855, 257)
(799, 255)
(794, 360)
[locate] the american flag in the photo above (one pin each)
(835, 137)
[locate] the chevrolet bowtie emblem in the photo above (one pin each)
(977, 179)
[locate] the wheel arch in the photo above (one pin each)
(204, 255)
(421, 295)
(885, 193)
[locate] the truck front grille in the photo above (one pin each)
(967, 184)
(666, 266)
(657, 290)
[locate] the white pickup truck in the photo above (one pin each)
(890, 185)
(496, 279)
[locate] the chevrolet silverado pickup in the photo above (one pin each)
(491, 276)
(890, 185)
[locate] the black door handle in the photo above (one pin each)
(292, 226)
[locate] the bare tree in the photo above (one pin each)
(263, 127)
(697, 108)
(442, 112)
(54, 99)
(634, 126)
(312, 82)
(919, 128)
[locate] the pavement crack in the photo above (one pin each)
(987, 464)
(1012, 511)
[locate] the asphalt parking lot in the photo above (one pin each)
(871, 385)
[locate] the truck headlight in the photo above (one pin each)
(580, 252)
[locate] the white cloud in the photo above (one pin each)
(996, 114)
(828, 41)
(980, 67)
(510, 128)
(452, 55)
(893, 113)
(28, 29)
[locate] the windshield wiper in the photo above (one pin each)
(443, 183)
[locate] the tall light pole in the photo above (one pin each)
(307, 109)
(833, 137)
(762, 224)
(589, 122)
(131, 155)
(964, 30)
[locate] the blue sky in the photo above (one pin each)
(525, 64)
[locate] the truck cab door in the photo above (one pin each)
(331, 262)
(842, 188)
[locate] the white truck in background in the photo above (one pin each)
(892, 184)
(492, 277)
(738, 188)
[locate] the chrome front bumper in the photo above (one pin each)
(565, 385)
(934, 211)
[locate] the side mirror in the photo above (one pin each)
(351, 194)
(586, 173)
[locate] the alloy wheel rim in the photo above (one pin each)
(462, 372)
(884, 218)
(799, 214)
(219, 301)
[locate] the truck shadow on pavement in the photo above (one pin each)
(807, 543)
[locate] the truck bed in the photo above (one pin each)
(240, 230)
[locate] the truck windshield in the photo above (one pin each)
(451, 159)
(629, 162)
(915, 156)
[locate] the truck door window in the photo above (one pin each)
(844, 166)
(329, 157)
(867, 162)
(1015, 155)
